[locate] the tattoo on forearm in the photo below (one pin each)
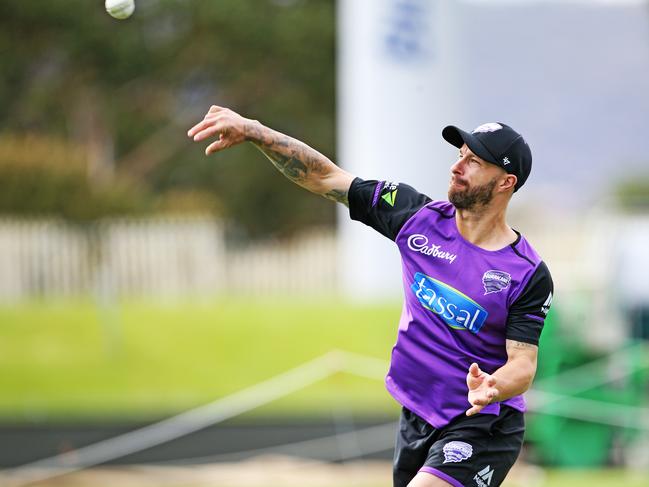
(338, 196)
(294, 159)
(519, 345)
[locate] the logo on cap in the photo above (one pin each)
(487, 127)
(506, 161)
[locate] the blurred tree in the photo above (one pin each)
(48, 176)
(127, 91)
(633, 194)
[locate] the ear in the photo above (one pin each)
(508, 182)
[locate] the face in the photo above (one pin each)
(473, 181)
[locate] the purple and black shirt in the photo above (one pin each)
(461, 301)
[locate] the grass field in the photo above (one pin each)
(76, 361)
(592, 478)
(62, 361)
(285, 472)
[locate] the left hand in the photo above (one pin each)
(482, 389)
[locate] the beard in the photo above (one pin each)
(472, 198)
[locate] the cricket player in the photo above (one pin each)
(476, 295)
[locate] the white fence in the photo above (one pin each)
(305, 265)
(155, 257)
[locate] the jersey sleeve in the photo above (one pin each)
(383, 205)
(527, 314)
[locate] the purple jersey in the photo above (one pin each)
(461, 301)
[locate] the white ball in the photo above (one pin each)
(120, 9)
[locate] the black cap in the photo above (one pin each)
(498, 144)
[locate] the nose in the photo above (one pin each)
(458, 167)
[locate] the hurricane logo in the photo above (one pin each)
(456, 451)
(487, 127)
(495, 281)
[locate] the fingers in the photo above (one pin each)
(203, 124)
(218, 122)
(485, 398)
(474, 410)
(216, 146)
(209, 117)
(491, 394)
(208, 131)
(474, 370)
(478, 403)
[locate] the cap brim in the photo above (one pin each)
(458, 137)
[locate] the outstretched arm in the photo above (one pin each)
(512, 379)
(294, 159)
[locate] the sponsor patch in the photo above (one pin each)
(457, 451)
(454, 308)
(483, 477)
(495, 281)
(419, 243)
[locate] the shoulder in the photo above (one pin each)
(444, 209)
(524, 251)
(384, 205)
(535, 275)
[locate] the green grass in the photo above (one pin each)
(75, 360)
(115, 476)
(587, 478)
(577, 478)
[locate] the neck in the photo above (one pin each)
(485, 227)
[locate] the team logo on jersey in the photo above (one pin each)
(457, 451)
(545, 308)
(419, 243)
(387, 191)
(390, 192)
(483, 477)
(487, 127)
(390, 197)
(495, 281)
(457, 310)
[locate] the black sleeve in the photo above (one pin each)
(383, 205)
(527, 314)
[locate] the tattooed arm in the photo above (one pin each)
(512, 379)
(294, 159)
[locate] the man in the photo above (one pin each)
(476, 296)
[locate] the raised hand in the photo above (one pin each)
(482, 389)
(228, 126)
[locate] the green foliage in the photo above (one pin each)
(71, 71)
(46, 176)
(633, 194)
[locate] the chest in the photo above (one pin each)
(466, 287)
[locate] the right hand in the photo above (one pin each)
(229, 126)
